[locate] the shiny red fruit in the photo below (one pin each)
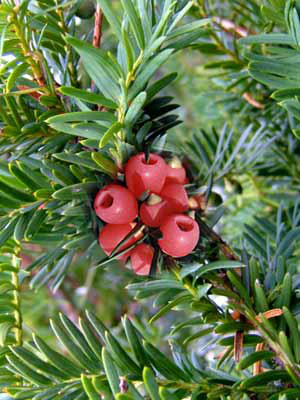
(176, 175)
(141, 259)
(111, 235)
(153, 215)
(180, 235)
(176, 196)
(115, 204)
(142, 176)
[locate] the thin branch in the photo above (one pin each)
(247, 96)
(238, 346)
(257, 367)
(98, 27)
(97, 36)
(229, 27)
(226, 250)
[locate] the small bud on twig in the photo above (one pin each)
(153, 199)
(175, 162)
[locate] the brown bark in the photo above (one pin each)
(98, 27)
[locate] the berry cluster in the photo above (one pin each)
(163, 209)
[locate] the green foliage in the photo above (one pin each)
(71, 114)
(11, 319)
(275, 66)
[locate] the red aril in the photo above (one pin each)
(176, 175)
(176, 196)
(115, 204)
(180, 235)
(141, 258)
(154, 211)
(111, 235)
(175, 172)
(145, 175)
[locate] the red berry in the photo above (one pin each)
(111, 235)
(176, 195)
(116, 205)
(180, 235)
(142, 175)
(176, 175)
(141, 259)
(175, 171)
(153, 214)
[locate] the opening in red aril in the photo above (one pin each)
(185, 226)
(107, 201)
(150, 161)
